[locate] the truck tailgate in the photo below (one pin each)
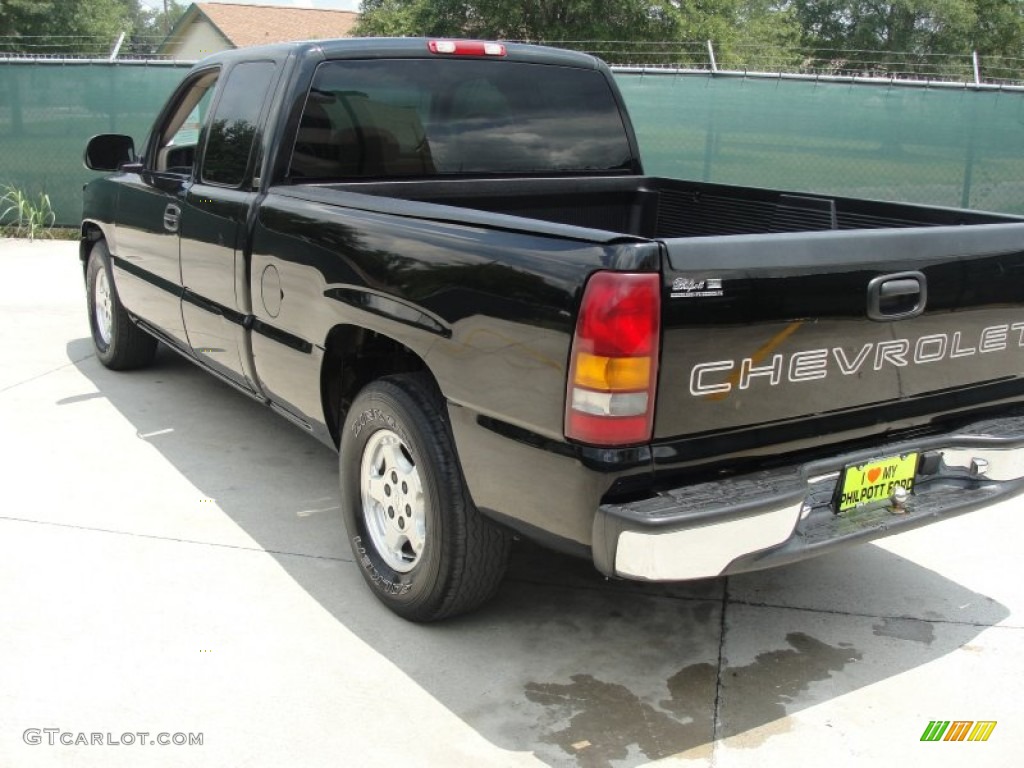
(763, 330)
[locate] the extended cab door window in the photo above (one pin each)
(177, 138)
(232, 131)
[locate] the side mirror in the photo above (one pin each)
(108, 152)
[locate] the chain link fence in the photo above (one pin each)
(703, 55)
(855, 135)
(951, 146)
(50, 108)
(779, 59)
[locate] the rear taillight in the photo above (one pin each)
(613, 370)
(466, 48)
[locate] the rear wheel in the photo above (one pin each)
(119, 343)
(422, 546)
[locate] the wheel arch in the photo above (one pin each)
(353, 357)
(91, 233)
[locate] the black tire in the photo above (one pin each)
(402, 421)
(120, 344)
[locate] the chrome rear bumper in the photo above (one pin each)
(782, 515)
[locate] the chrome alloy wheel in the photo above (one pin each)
(393, 504)
(103, 303)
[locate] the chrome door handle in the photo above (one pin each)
(172, 217)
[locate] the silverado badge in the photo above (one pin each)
(691, 288)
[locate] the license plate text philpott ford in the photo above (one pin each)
(875, 481)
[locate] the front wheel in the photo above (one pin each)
(420, 543)
(119, 343)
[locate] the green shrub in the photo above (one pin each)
(23, 216)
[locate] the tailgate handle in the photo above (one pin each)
(895, 288)
(897, 297)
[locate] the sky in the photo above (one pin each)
(337, 5)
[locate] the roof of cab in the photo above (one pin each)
(399, 47)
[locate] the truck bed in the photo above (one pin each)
(651, 207)
(792, 275)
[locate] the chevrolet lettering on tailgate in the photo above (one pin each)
(715, 378)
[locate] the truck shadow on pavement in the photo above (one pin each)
(564, 664)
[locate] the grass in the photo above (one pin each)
(65, 233)
(22, 215)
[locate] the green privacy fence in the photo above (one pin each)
(48, 111)
(956, 146)
(953, 146)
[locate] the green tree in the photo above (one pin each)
(150, 26)
(908, 33)
(521, 19)
(407, 18)
(162, 20)
(998, 37)
(753, 34)
(902, 25)
(64, 26)
(625, 29)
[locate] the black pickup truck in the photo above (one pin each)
(443, 258)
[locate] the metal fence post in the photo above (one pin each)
(711, 135)
(965, 194)
(117, 48)
(17, 116)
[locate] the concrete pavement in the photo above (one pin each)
(171, 562)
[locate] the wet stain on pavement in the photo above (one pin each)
(758, 693)
(599, 722)
(906, 629)
(607, 721)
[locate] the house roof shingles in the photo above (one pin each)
(246, 25)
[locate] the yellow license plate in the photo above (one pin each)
(875, 481)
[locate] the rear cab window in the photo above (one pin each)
(396, 118)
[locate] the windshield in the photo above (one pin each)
(415, 117)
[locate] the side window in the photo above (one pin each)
(232, 131)
(178, 137)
